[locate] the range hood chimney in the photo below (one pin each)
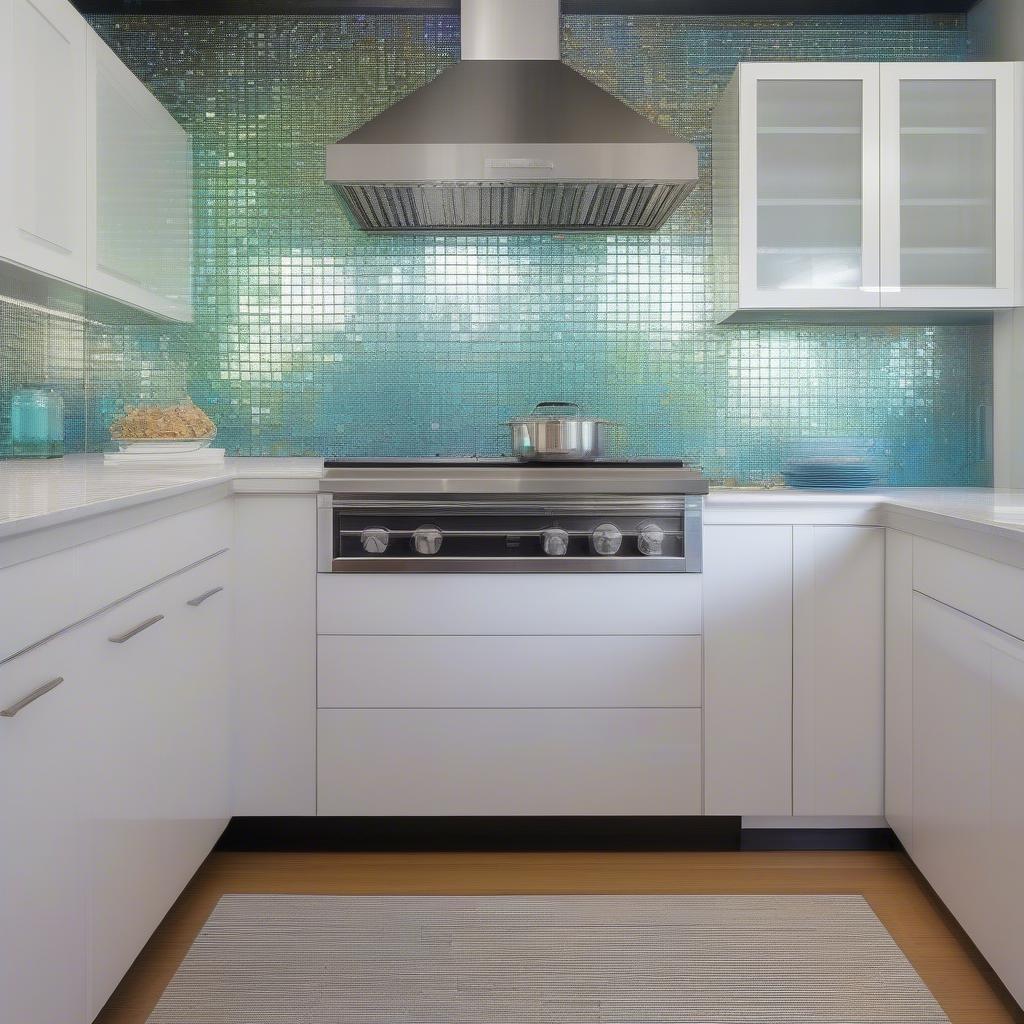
(511, 139)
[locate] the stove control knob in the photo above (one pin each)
(374, 540)
(555, 542)
(606, 539)
(650, 539)
(426, 540)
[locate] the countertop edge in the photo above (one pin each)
(944, 514)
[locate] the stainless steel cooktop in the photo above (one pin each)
(476, 475)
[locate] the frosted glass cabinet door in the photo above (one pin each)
(809, 208)
(140, 203)
(43, 128)
(948, 157)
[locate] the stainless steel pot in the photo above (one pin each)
(550, 435)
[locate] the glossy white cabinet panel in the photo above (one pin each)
(38, 598)
(573, 604)
(159, 784)
(504, 671)
(951, 753)
(748, 669)
(987, 590)
(114, 566)
(1005, 948)
(140, 195)
(43, 125)
(509, 762)
(838, 670)
(968, 764)
(274, 658)
(43, 786)
(950, 201)
(899, 685)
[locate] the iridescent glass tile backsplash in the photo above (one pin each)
(311, 337)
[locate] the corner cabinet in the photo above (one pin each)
(968, 764)
(846, 191)
(140, 192)
(954, 728)
(95, 176)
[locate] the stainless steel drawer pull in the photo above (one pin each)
(197, 601)
(135, 630)
(34, 695)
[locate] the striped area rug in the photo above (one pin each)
(550, 959)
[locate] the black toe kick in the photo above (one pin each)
(481, 833)
(438, 834)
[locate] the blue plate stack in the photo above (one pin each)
(833, 464)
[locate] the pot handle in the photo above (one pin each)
(557, 405)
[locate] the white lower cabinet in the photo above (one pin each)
(1006, 826)
(159, 782)
(43, 757)
(113, 789)
(511, 761)
(274, 659)
(508, 671)
(838, 670)
(748, 670)
(794, 670)
(510, 604)
(899, 685)
(968, 800)
(531, 694)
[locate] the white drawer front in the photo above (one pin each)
(987, 590)
(585, 604)
(508, 671)
(45, 595)
(119, 564)
(510, 762)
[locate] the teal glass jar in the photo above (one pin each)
(37, 423)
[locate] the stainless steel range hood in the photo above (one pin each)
(511, 139)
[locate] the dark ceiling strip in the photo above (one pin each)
(767, 7)
(704, 7)
(255, 7)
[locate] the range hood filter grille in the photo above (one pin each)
(502, 206)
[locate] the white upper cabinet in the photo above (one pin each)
(801, 185)
(140, 194)
(95, 175)
(853, 191)
(43, 125)
(949, 165)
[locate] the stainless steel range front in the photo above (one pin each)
(495, 515)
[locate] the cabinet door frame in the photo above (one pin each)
(750, 295)
(1007, 78)
(102, 60)
(18, 244)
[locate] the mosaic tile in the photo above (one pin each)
(311, 337)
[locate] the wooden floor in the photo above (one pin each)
(945, 960)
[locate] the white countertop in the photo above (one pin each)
(998, 510)
(39, 494)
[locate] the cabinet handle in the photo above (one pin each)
(34, 695)
(197, 601)
(135, 630)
